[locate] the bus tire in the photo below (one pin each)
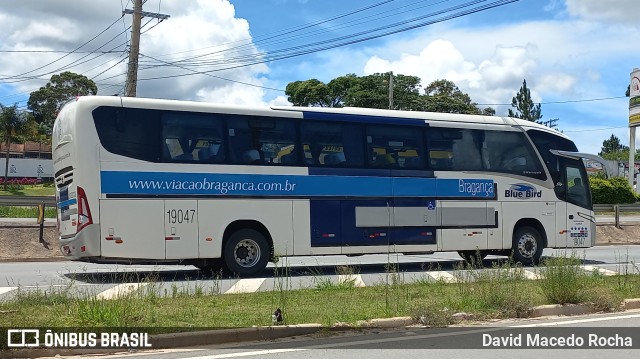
(246, 252)
(527, 245)
(473, 257)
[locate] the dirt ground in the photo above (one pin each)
(21, 242)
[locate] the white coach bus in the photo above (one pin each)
(159, 181)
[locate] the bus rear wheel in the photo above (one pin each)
(246, 252)
(527, 245)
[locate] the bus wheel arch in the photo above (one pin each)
(253, 239)
(529, 240)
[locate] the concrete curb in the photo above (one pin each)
(629, 304)
(223, 336)
(577, 309)
(390, 322)
(558, 309)
(32, 260)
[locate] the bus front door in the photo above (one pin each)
(580, 222)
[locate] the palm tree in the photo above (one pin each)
(12, 122)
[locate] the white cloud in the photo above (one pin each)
(559, 59)
(614, 11)
(490, 81)
(205, 34)
(556, 83)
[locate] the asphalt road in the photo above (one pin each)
(85, 279)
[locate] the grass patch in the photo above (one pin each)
(497, 292)
(28, 190)
(25, 212)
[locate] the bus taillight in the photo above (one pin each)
(84, 213)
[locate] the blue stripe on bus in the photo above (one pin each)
(333, 223)
(223, 184)
(362, 118)
(67, 203)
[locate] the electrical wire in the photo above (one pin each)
(347, 40)
(73, 51)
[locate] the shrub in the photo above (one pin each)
(611, 191)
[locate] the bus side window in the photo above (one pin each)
(394, 147)
(192, 137)
(262, 140)
(332, 144)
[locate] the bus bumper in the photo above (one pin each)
(82, 245)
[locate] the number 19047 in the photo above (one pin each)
(181, 216)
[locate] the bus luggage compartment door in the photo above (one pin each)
(181, 229)
(131, 228)
(465, 224)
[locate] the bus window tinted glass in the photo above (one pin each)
(332, 144)
(262, 140)
(544, 142)
(395, 147)
(192, 137)
(455, 149)
(479, 150)
(510, 152)
(134, 133)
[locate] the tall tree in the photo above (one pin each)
(340, 88)
(524, 106)
(612, 145)
(12, 122)
(372, 91)
(445, 96)
(309, 93)
(46, 101)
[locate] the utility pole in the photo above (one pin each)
(134, 51)
(391, 90)
(550, 123)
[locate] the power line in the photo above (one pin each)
(52, 62)
(322, 45)
(349, 39)
(558, 102)
(219, 77)
(264, 37)
(597, 129)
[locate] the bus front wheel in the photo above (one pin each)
(527, 245)
(246, 252)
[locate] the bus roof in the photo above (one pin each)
(422, 116)
(354, 111)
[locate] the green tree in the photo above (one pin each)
(524, 106)
(46, 101)
(613, 149)
(340, 89)
(372, 91)
(612, 145)
(12, 123)
(489, 111)
(445, 96)
(309, 93)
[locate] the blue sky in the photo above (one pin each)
(568, 50)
